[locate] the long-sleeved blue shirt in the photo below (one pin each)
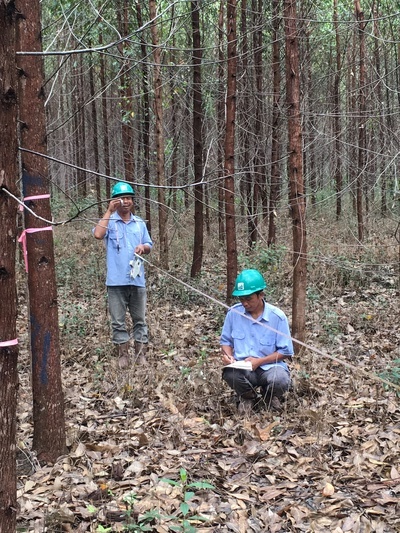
(250, 338)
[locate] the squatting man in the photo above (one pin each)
(245, 337)
(126, 237)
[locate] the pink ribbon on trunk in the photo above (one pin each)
(22, 240)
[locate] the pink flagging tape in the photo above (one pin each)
(22, 240)
(38, 197)
(8, 343)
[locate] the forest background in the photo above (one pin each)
(148, 102)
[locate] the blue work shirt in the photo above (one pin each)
(121, 240)
(251, 338)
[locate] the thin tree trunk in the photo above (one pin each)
(104, 112)
(229, 167)
(198, 243)
(336, 111)
(247, 180)
(259, 183)
(146, 116)
(8, 292)
(221, 124)
(159, 134)
(82, 183)
(362, 120)
(295, 170)
(48, 398)
(276, 122)
(95, 137)
(126, 100)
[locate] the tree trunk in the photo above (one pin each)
(146, 117)
(95, 138)
(247, 179)
(48, 399)
(81, 155)
(159, 134)
(295, 170)
(126, 100)
(276, 122)
(221, 124)
(8, 293)
(336, 111)
(104, 113)
(362, 121)
(229, 167)
(198, 243)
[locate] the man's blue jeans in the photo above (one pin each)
(125, 298)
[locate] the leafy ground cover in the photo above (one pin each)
(160, 447)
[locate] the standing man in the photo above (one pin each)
(257, 332)
(125, 235)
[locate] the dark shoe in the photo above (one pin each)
(274, 404)
(140, 352)
(245, 407)
(123, 355)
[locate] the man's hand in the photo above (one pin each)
(114, 204)
(142, 249)
(255, 362)
(227, 357)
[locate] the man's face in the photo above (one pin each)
(252, 302)
(126, 203)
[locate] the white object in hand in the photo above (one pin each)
(135, 265)
(241, 365)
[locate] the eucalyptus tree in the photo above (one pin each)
(198, 243)
(8, 294)
(295, 170)
(229, 145)
(37, 239)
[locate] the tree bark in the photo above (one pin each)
(362, 120)
(104, 114)
(295, 170)
(126, 100)
(221, 124)
(48, 399)
(198, 243)
(95, 137)
(145, 117)
(229, 166)
(159, 134)
(276, 122)
(8, 293)
(336, 111)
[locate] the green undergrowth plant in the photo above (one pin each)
(184, 517)
(182, 520)
(392, 374)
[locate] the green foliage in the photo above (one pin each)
(184, 515)
(182, 520)
(392, 374)
(330, 324)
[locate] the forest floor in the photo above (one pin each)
(138, 438)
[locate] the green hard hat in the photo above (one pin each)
(248, 282)
(122, 189)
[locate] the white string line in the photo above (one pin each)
(303, 344)
(310, 256)
(218, 302)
